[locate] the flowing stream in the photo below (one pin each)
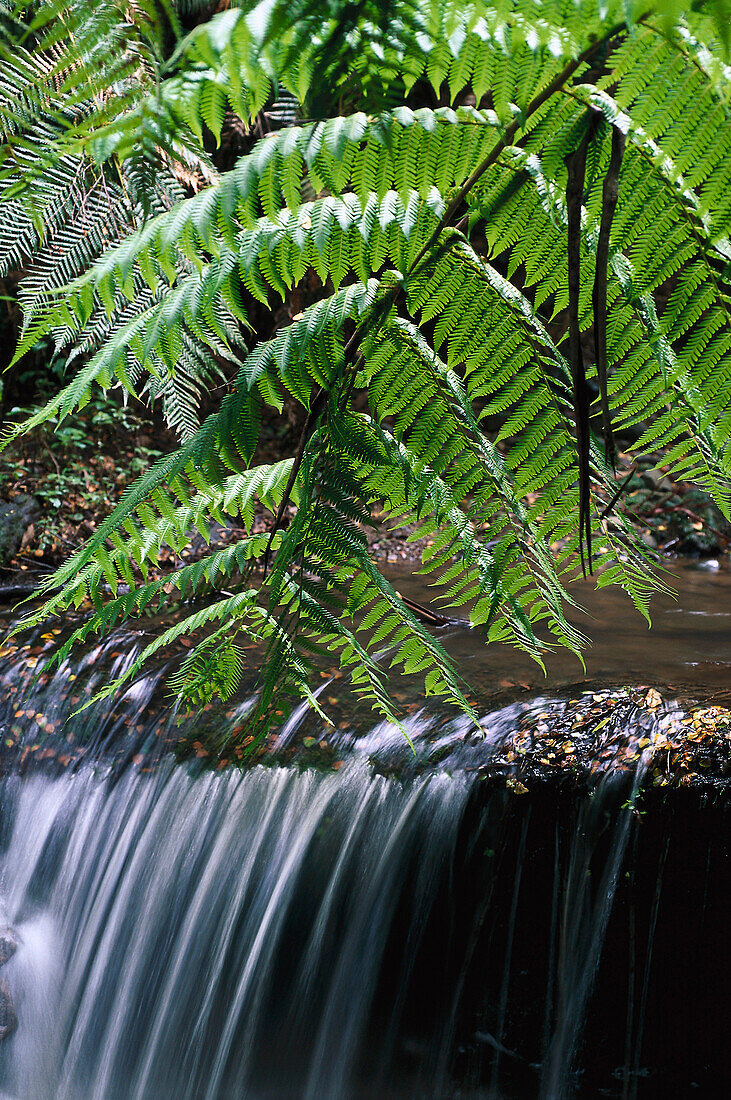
(362, 932)
(222, 936)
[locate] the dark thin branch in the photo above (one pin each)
(576, 165)
(610, 507)
(309, 423)
(610, 193)
(16, 591)
(429, 616)
(350, 355)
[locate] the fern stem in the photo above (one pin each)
(299, 455)
(349, 356)
(576, 165)
(510, 132)
(610, 194)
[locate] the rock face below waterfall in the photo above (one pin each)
(8, 945)
(8, 1018)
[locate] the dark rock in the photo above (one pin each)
(8, 945)
(657, 481)
(16, 516)
(8, 1019)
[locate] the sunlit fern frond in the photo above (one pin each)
(424, 181)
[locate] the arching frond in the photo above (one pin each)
(420, 172)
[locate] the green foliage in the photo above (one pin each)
(425, 183)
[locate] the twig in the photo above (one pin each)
(699, 519)
(428, 615)
(52, 457)
(610, 507)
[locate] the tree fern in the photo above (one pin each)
(425, 182)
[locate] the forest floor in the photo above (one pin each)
(75, 475)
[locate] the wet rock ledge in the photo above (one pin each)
(8, 1017)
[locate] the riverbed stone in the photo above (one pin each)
(16, 516)
(8, 1018)
(8, 945)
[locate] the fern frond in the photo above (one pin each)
(439, 237)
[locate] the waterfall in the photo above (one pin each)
(156, 916)
(222, 936)
(399, 927)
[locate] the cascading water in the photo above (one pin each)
(399, 927)
(155, 916)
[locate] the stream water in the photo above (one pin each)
(288, 932)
